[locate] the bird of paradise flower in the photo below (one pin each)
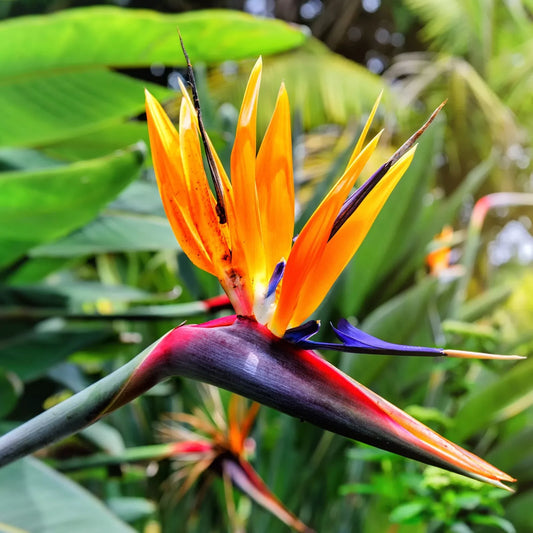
(213, 441)
(243, 234)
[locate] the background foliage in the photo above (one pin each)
(90, 274)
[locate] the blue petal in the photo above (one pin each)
(279, 269)
(302, 333)
(357, 341)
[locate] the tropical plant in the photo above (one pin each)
(87, 300)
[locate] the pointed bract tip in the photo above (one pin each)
(148, 96)
(183, 46)
(183, 89)
(495, 482)
(258, 66)
(480, 355)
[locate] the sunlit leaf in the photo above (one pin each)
(40, 206)
(507, 396)
(31, 353)
(111, 36)
(44, 107)
(33, 497)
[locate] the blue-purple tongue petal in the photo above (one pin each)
(303, 332)
(279, 269)
(357, 341)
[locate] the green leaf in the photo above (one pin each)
(106, 437)
(27, 159)
(40, 206)
(111, 36)
(46, 107)
(51, 93)
(64, 292)
(125, 232)
(33, 497)
(484, 304)
(100, 142)
(131, 508)
(407, 513)
(405, 318)
(519, 510)
(10, 389)
(512, 451)
(32, 353)
(494, 521)
(510, 394)
(34, 270)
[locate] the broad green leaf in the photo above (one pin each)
(35, 269)
(493, 521)
(30, 354)
(512, 451)
(27, 159)
(142, 196)
(35, 498)
(100, 142)
(131, 508)
(50, 93)
(134, 221)
(40, 206)
(113, 233)
(106, 437)
(47, 107)
(436, 216)
(500, 400)
(72, 294)
(111, 36)
(484, 304)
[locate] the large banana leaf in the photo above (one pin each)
(33, 497)
(104, 35)
(43, 205)
(50, 106)
(54, 83)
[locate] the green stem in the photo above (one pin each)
(140, 313)
(67, 417)
(129, 455)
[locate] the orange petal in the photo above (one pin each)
(165, 146)
(427, 439)
(310, 246)
(275, 185)
(249, 241)
(226, 185)
(362, 137)
(201, 199)
(240, 420)
(343, 245)
(234, 278)
(248, 481)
